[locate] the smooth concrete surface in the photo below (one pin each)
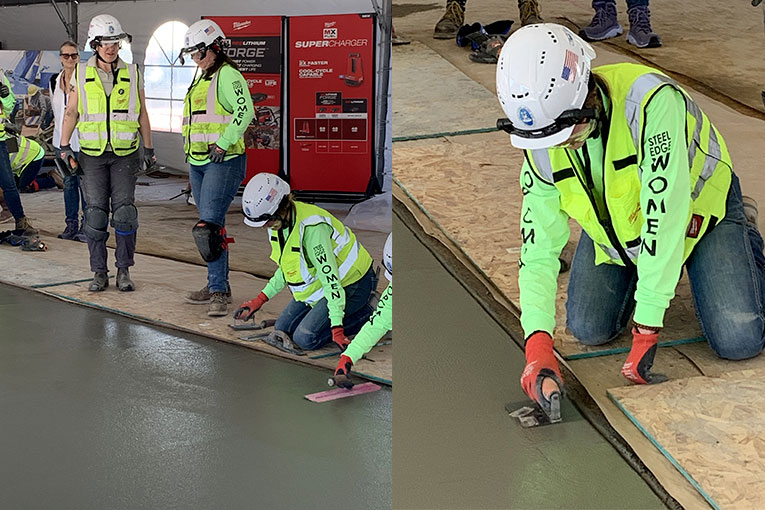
(98, 411)
(455, 446)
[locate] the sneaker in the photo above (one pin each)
(203, 296)
(750, 209)
(641, 34)
(450, 22)
(72, 227)
(124, 283)
(99, 283)
(218, 304)
(23, 224)
(529, 12)
(604, 24)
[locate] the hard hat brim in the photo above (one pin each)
(547, 142)
(388, 275)
(256, 224)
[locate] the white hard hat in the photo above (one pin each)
(542, 72)
(388, 257)
(261, 198)
(105, 27)
(200, 35)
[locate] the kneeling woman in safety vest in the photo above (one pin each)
(379, 324)
(216, 113)
(27, 161)
(106, 104)
(327, 269)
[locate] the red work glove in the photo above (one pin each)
(338, 336)
(343, 371)
(247, 310)
(637, 368)
(540, 364)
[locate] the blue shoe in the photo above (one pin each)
(641, 34)
(604, 24)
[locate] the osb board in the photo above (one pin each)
(432, 96)
(457, 184)
(599, 374)
(160, 288)
(710, 365)
(165, 227)
(697, 35)
(711, 428)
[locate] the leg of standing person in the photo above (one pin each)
(8, 184)
(727, 275)
(641, 34)
(96, 187)
(123, 170)
(71, 206)
(451, 21)
(600, 298)
(604, 24)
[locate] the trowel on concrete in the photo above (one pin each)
(534, 414)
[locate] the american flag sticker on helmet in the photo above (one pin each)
(209, 30)
(569, 66)
(271, 195)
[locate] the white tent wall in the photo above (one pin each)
(37, 27)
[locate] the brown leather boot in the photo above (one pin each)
(23, 224)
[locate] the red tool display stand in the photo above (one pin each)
(256, 47)
(331, 105)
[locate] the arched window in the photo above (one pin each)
(165, 79)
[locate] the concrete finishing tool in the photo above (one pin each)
(341, 381)
(536, 414)
(278, 339)
(253, 324)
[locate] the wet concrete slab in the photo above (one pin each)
(99, 411)
(455, 445)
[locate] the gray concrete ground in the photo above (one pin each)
(99, 411)
(455, 446)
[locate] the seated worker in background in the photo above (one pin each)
(327, 269)
(37, 103)
(629, 155)
(379, 324)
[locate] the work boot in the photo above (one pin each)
(750, 209)
(5, 215)
(641, 34)
(218, 304)
(57, 179)
(72, 227)
(99, 283)
(450, 22)
(124, 283)
(23, 224)
(203, 296)
(604, 24)
(529, 12)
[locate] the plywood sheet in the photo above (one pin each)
(456, 185)
(709, 364)
(431, 96)
(711, 428)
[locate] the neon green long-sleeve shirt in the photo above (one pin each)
(658, 274)
(379, 323)
(317, 241)
(234, 95)
(8, 102)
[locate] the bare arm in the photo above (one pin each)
(70, 116)
(144, 127)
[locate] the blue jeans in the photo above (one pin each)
(73, 195)
(214, 186)
(727, 274)
(630, 3)
(310, 327)
(8, 183)
(29, 174)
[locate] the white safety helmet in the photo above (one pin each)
(200, 36)
(542, 72)
(261, 198)
(106, 28)
(388, 257)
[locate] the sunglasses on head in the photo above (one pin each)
(69, 55)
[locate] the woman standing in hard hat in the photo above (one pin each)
(216, 113)
(629, 155)
(327, 269)
(107, 106)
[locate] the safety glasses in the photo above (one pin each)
(566, 119)
(71, 56)
(189, 51)
(262, 218)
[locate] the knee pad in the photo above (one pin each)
(211, 240)
(96, 221)
(125, 220)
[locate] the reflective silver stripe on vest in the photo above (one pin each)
(204, 137)
(93, 117)
(132, 107)
(124, 135)
(632, 253)
(93, 135)
(634, 101)
(81, 76)
(25, 152)
(126, 117)
(207, 118)
(710, 163)
(541, 159)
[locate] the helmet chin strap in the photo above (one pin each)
(113, 63)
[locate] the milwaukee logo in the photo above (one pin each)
(239, 25)
(329, 24)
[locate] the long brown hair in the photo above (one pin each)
(220, 59)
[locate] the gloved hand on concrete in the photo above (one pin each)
(338, 336)
(4, 90)
(149, 159)
(542, 376)
(342, 371)
(217, 154)
(67, 155)
(637, 368)
(247, 309)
